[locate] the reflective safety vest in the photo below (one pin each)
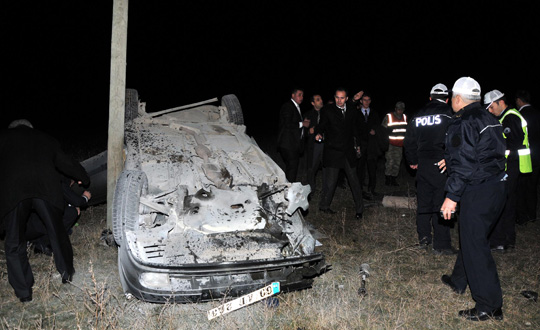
(525, 164)
(396, 129)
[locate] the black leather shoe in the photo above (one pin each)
(475, 315)
(26, 299)
(448, 281)
(67, 279)
(327, 211)
(358, 215)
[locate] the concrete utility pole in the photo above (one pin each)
(117, 100)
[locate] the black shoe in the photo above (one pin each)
(42, 249)
(327, 211)
(67, 279)
(445, 252)
(358, 215)
(423, 244)
(499, 249)
(448, 281)
(26, 299)
(475, 315)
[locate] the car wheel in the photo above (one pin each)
(131, 110)
(233, 107)
(131, 185)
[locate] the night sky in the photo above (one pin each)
(57, 56)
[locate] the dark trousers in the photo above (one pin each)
(430, 196)
(19, 272)
(504, 232)
(371, 164)
(480, 207)
(36, 232)
(330, 179)
(292, 160)
(528, 196)
(315, 153)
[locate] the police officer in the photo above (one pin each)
(424, 151)
(474, 157)
(518, 159)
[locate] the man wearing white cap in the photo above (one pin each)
(518, 159)
(424, 152)
(475, 161)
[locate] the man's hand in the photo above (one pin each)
(318, 137)
(311, 130)
(447, 208)
(442, 165)
(372, 132)
(87, 194)
(414, 167)
(358, 95)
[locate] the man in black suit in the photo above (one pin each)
(291, 133)
(372, 144)
(314, 147)
(29, 181)
(339, 124)
(528, 182)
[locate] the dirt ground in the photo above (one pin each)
(404, 289)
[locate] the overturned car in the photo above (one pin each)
(201, 213)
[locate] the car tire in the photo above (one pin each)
(131, 185)
(131, 110)
(234, 109)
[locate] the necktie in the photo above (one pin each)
(365, 115)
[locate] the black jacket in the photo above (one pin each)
(475, 149)
(340, 135)
(514, 134)
(290, 133)
(426, 132)
(29, 168)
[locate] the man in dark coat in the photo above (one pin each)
(373, 143)
(340, 127)
(291, 133)
(30, 181)
(528, 182)
(314, 147)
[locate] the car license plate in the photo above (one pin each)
(248, 299)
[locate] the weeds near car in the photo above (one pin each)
(403, 291)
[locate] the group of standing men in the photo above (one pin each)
(343, 136)
(465, 153)
(484, 156)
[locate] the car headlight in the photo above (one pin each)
(155, 280)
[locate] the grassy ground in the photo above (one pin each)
(404, 289)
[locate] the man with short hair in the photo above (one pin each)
(528, 182)
(474, 158)
(424, 151)
(314, 147)
(518, 159)
(339, 127)
(396, 124)
(371, 139)
(291, 133)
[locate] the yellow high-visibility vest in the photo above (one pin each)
(525, 163)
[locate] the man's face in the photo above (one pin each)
(340, 98)
(366, 101)
(399, 112)
(298, 96)
(317, 102)
(496, 108)
(519, 102)
(456, 103)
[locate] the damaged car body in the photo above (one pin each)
(200, 212)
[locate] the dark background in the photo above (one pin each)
(56, 62)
